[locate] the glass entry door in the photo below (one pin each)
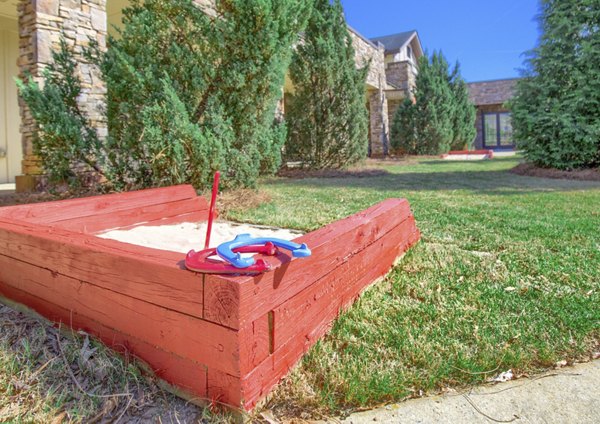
(497, 130)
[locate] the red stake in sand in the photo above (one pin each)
(211, 213)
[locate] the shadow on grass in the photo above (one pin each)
(481, 182)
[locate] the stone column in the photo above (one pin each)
(42, 23)
(402, 75)
(379, 123)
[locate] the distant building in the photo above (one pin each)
(493, 122)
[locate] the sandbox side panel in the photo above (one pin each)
(249, 298)
(147, 274)
(180, 334)
(188, 375)
(49, 212)
(142, 215)
(257, 383)
(321, 302)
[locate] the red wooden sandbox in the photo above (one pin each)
(224, 338)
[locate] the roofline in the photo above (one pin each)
(371, 43)
(495, 80)
(389, 35)
(414, 33)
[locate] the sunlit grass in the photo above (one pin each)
(507, 275)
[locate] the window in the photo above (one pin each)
(408, 52)
(497, 130)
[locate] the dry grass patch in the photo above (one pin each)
(52, 376)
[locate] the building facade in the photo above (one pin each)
(493, 123)
(31, 29)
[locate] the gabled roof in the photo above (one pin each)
(492, 92)
(394, 42)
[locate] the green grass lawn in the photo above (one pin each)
(506, 276)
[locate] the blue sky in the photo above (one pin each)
(487, 37)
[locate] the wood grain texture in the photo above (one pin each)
(255, 343)
(188, 375)
(141, 215)
(232, 301)
(316, 323)
(322, 301)
(49, 212)
(151, 275)
(186, 336)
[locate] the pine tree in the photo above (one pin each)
(556, 109)
(188, 93)
(326, 115)
(463, 120)
(441, 117)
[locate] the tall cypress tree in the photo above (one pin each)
(442, 116)
(556, 109)
(463, 119)
(426, 127)
(188, 93)
(326, 115)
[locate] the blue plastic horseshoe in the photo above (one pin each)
(225, 250)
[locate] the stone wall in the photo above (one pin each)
(402, 75)
(41, 26)
(492, 92)
(378, 123)
(367, 52)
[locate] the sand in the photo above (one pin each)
(189, 235)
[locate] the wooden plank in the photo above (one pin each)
(133, 217)
(223, 388)
(188, 375)
(255, 343)
(195, 217)
(231, 301)
(256, 384)
(48, 212)
(186, 336)
(321, 302)
(151, 275)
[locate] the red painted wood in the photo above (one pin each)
(142, 297)
(255, 344)
(187, 375)
(196, 217)
(471, 152)
(321, 301)
(48, 212)
(134, 217)
(151, 275)
(260, 381)
(224, 388)
(186, 336)
(231, 301)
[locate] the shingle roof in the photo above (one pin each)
(492, 92)
(394, 42)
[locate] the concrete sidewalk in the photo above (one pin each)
(567, 395)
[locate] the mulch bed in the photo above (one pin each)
(527, 169)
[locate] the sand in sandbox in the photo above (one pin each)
(189, 235)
